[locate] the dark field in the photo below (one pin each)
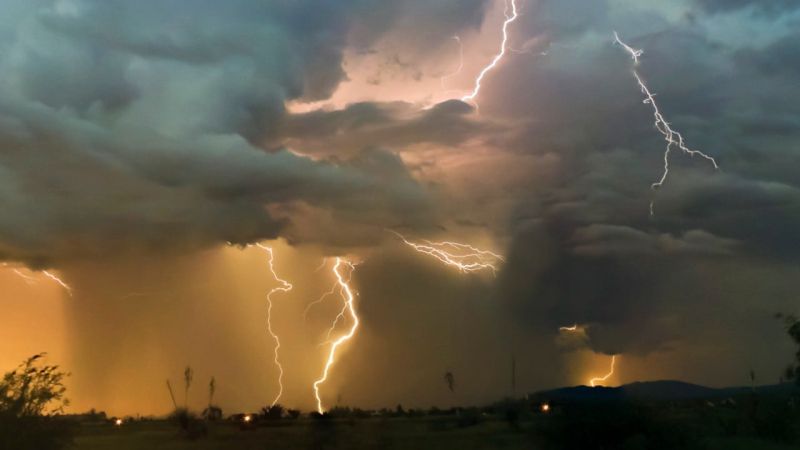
(585, 427)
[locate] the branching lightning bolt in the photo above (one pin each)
(661, 124)
(284, 287)
(333, 289)
(348, 296)
(509, 18)
(613, 360)
(462, 256)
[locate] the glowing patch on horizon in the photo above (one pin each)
(613, 361)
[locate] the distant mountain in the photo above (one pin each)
(650, 391)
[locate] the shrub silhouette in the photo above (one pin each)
(29, 398)
(274, 412)
(189, 425)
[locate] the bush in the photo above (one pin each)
(274, 412)
(776, 421)
(189, 425)
(31, 397)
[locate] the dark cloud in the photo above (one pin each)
(140, 124)
(393, 125)
(770, 8)
(584, 248)
(780, 58)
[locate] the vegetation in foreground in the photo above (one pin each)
(32, 401)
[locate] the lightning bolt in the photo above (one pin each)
(528, 52)
(333, 289)
(344, 307)
(324, 261)
(28, 279)
(348, 296)
(31, 280)
(572, 328)
(613, 360)
(672, 137)
(59, 281)
(462, 256)
(284, 287)
(544, 53)
(509, 18)
(460, 65)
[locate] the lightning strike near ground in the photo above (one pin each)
(284, 287)
(672, 137)
(613, 361)
(509, 18)
(462, 256)
(349, 298)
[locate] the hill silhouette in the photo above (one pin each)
(655, 391)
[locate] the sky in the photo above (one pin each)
(146, 146)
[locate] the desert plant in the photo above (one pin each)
(171, 394)
(188, 376)
(212, 388)
(293, 413)
(212, 413)
(450, 380)
(189, 425)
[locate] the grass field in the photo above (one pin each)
(377, 433)
(306, 433)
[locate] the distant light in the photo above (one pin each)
(119, 422)
(545, 407)
(247, 418)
